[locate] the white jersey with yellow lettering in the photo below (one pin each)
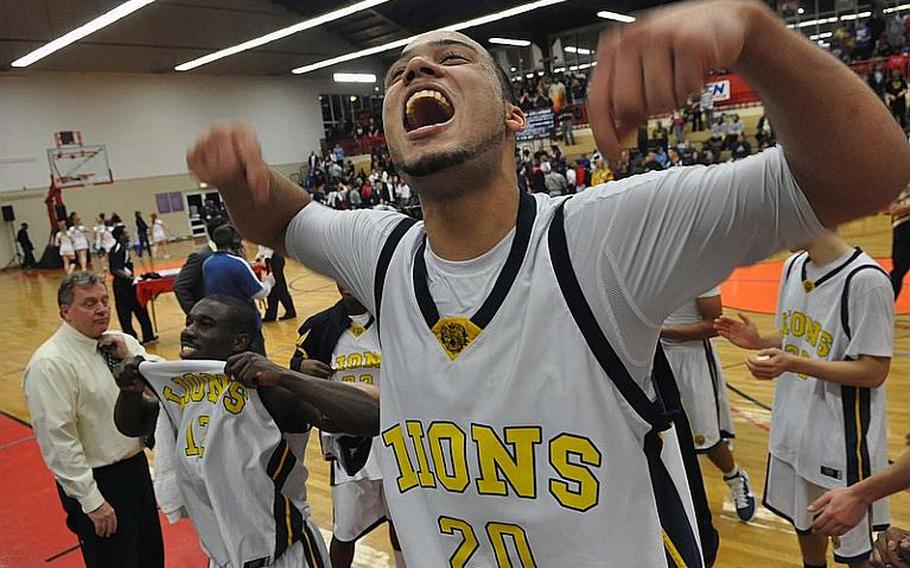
(831, 434)
(517, 448)
(356, 358)
(243, 482)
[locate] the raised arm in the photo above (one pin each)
(297, 401)
(261, 201)
(134, 414)
(814, 101)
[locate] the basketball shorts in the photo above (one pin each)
(358, 507)
(703, 391)
(310, 552)
(788, 495)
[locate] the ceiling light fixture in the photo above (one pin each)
(354, 78)
(507, 41)
(280, 34)
(615, 16)
(104, 20)
(896, 9)
(578, 50)
(530, 6)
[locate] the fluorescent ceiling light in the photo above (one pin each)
(578, 50)
(530, 6)
(354, 78)
(101, 21)
(801, 11)
(822, 35)
(607, 15)
(529, 76)
(507, 41)
(831, 20)
(896, 8)
(279, 34)
(559, 70)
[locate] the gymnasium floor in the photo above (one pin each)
(32, 532)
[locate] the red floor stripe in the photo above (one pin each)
(32, 523)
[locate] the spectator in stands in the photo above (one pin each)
(877, 80)
(556, 183)
(674, 159)
(718, 134)
(706, 104)
(536, 177)
(651, 162)
(896, 96)
(695, 114)
(338, 153)
(354, 198)
(736, 128)
(643, 138)
(660, 136)
(602, 173)
(566, 125)
(764, 134)
(679, 125)
(313, 162)
(402, 193)
(227, 272)
(556, 91)
(741, 148)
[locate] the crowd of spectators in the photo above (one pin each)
(333, 180)
(881, 35)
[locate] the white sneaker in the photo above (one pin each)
(743, 498)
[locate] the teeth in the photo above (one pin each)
(426, 93)
(186, 350)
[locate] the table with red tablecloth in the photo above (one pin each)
(150, 288)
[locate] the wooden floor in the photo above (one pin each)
(30, 313)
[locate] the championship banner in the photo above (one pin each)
(540, 125)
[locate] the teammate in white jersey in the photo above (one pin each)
(238, 452)
(830, 359)
(517, 332)
(342, 344)
(686, 338)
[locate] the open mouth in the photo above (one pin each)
(187, 349)
(427, 107)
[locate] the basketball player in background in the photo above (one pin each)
(900, 240)
(341, 344)
(239, 453)
(830, 359)
(518, 331)
(686, 338)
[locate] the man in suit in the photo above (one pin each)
(25, 243)
(125, 300)
(189, 286)
(280, 292)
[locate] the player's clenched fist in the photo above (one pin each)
(654, 64)
(229, 158)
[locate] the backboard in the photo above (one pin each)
(78, 166)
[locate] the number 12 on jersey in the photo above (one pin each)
(499, 534)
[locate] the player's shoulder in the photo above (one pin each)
(866, 274)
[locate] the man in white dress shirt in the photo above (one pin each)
(102, 476)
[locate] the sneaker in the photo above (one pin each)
(743, 498)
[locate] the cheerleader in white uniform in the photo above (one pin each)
(159, 236)
(64, 242)
(79, 236)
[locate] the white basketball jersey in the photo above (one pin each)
(243, 482)
(356, 358)
(833, 435)
(517, 448)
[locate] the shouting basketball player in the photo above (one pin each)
(517, 331)
(238, 452)
(829, 358)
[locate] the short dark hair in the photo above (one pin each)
(225, 236)
(214, 223)
(117, 232)
(505, 83)
(242, 316)
(67, 288)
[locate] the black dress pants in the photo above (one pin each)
(900, 256)
(127, 487)
(127, 306)
(279, 291)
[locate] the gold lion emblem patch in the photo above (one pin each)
(455, 334)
